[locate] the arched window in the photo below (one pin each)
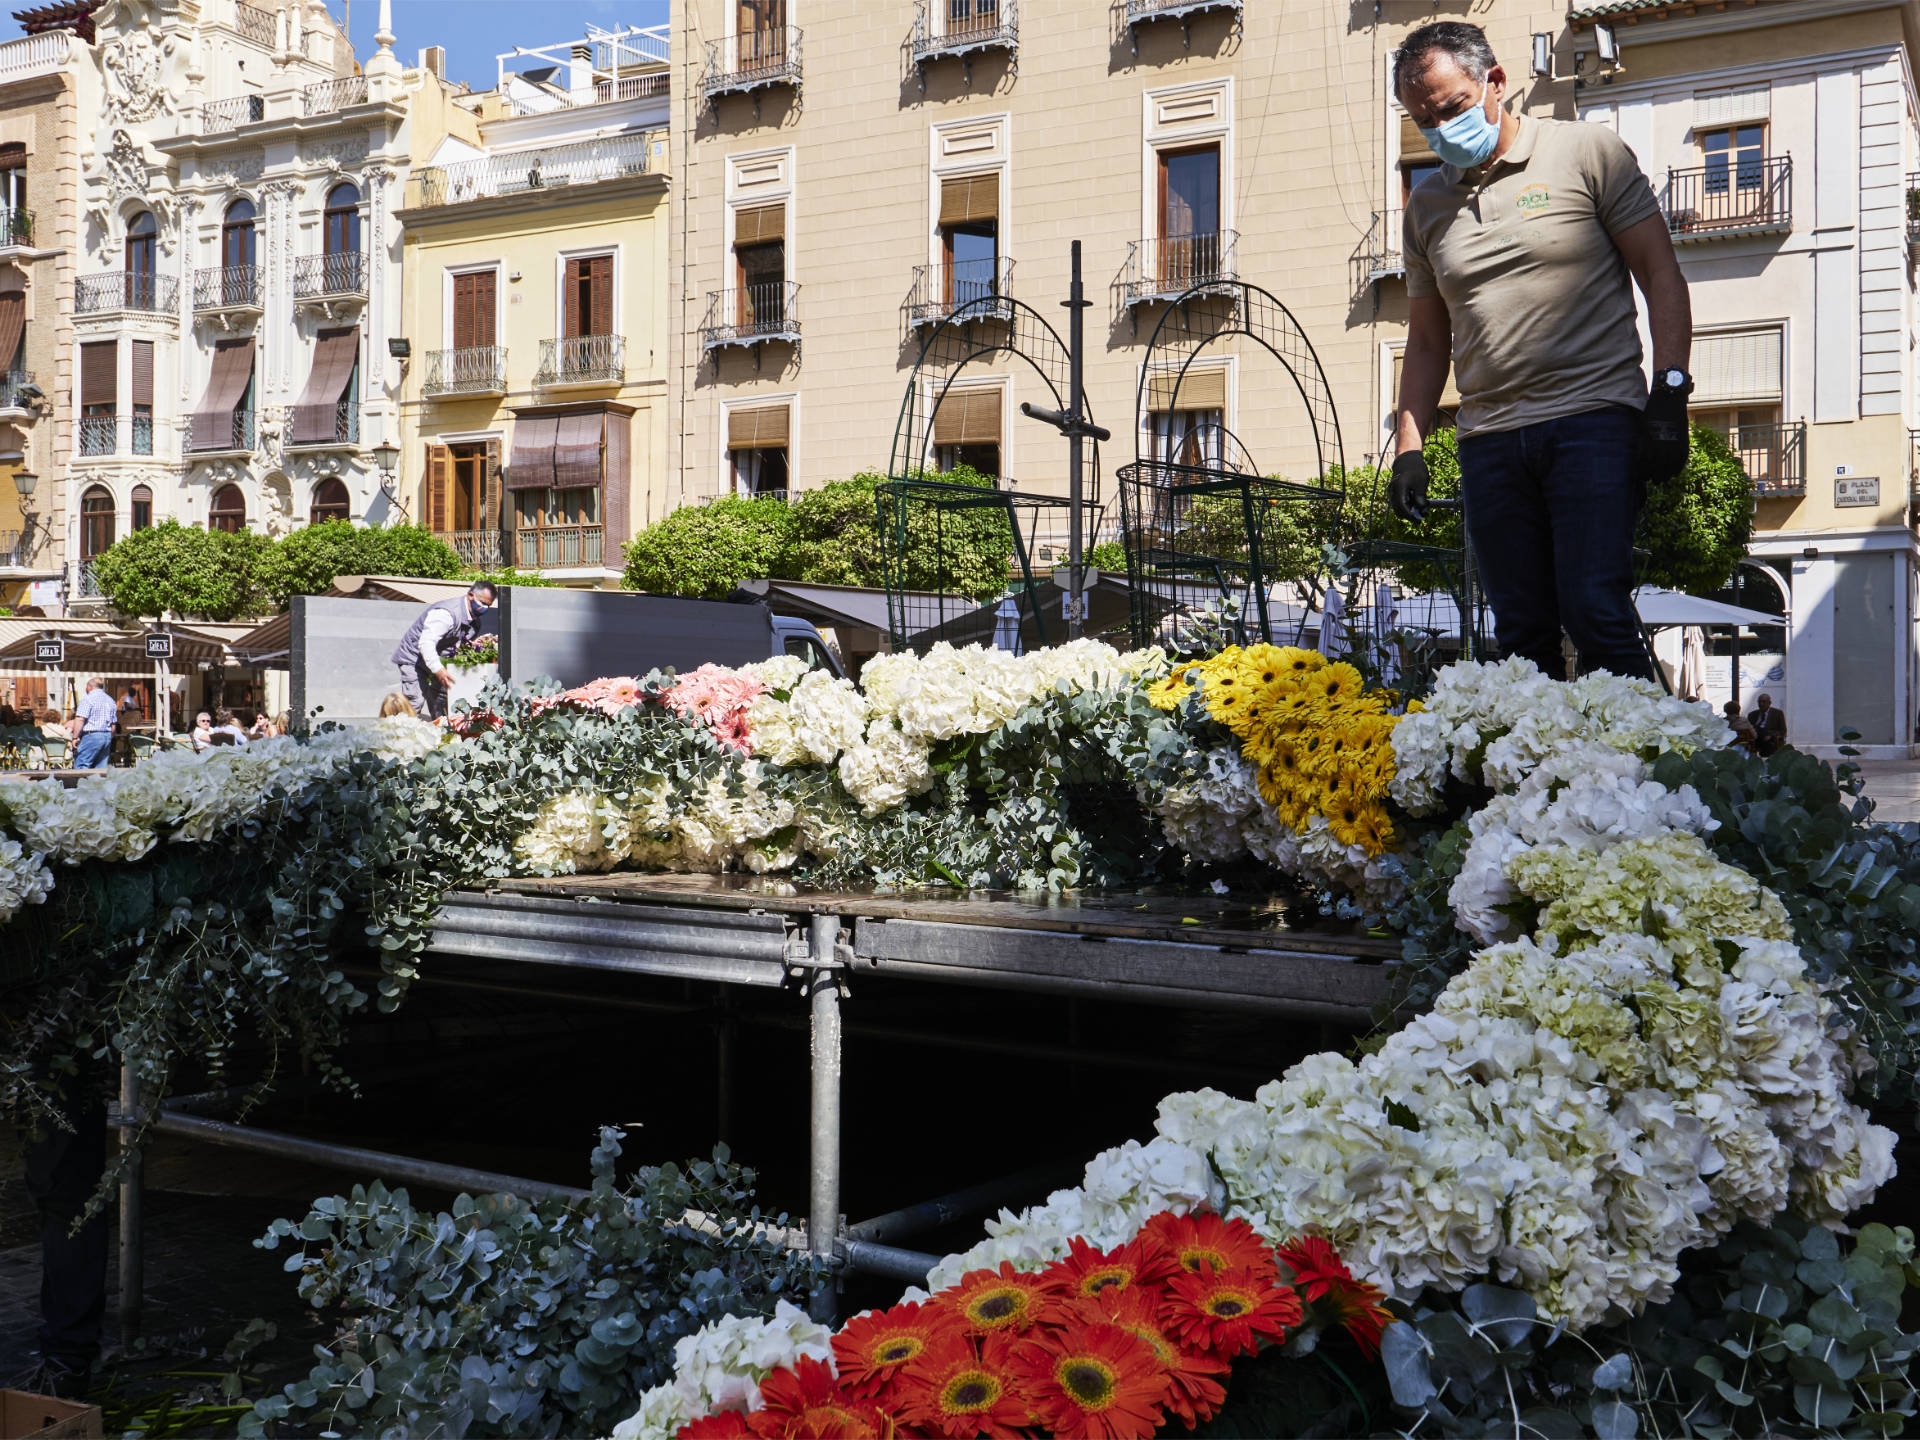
(229, 510)
(96, 521)
(142, 507)
(141, 235)
(236, 235)
(343, 220)
(330, 502)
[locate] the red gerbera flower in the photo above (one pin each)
(999, 1300)
(1096, 1381)
(1194, 1394)
(871, 1350)
(1228, 1312)
(960, 1386)
(805, 1403)
(1206, 1239)
(721, 1425)
(1089, 1270)
(1323, 1280)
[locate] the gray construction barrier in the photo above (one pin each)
(579, 635)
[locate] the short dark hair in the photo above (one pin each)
(1467, 44)
(477, 586)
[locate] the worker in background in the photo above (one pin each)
(1518, 253)
(436, 633)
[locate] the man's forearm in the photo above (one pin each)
(1423, 373)
(1670, 319)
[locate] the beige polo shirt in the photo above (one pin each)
(1522, 253)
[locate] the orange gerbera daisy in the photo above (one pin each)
(1004, 1299)
(1322, 1279)
(1206, 1239)
(721, 1425)
(961, 1387)
(1097, 1381)
(1194, 1389)
(1089, 1270)
(871, 1350)
(1228, 1312)
(805, 1403)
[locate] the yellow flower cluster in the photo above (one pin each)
(1320, 740)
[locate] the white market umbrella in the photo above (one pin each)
(1659, 608)
(1006, 626)
(1333, 631)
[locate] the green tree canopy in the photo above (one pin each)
(1696, 529)
(177, 569)
(705, 552)
(307, 561)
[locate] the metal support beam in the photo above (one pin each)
(823, 1189)
(960, 1205)
(132, 1241)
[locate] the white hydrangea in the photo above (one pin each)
(886, 768)
(24, 878)
(579, 831)
(720, 1367)
(822, 717)
(781, 672)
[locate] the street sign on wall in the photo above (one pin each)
(1856, 490)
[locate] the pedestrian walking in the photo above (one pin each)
(97, 716)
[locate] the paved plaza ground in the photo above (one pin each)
(1894, 787)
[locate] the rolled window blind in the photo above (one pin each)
(968, 417)
(1739, 365)
(99, 381)
(531, 467)
(763, 427)
(969, 199)
(143, 373)
(1737, 106)
(1199, 390)
(760, 225)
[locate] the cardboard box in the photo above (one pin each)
(41, 1417)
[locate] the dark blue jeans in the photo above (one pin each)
(63, 1166)
(1551, 509)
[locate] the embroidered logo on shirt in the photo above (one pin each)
(1532, 202)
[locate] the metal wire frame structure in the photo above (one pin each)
(927, 524)
(1187, 586)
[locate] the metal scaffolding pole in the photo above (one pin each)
(823, 1189)
(132, 1244)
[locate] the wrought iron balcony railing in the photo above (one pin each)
(324, 277)
(1913, 208)
(939, 290)
(752, 315)
(219, 116)
(221, 434)
(141, 431)
(1130, 15)
(1377, 257)
(1167, 267)
(1774, 456)
(331, 95)
(338, 424)
(87, 582)
(124, 290)
(470, 370)
(254, 23)
(527, 172)
(99, 434)
(582, 360)
(477, 549)
(964, 27)
(13, 385)
(227, 287)
(754, 60)
(557, 547)
(16, 228)
(1735, 197)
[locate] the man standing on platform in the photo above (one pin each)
(1518, 255)
(436, 633)
(97, 715)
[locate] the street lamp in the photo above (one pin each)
(24, 482)
(387, 456)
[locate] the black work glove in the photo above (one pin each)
(1407, 490)
(1664, 437)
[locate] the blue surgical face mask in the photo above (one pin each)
(1468, 138)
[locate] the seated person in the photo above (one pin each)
(225, 724)
(202, 730)
(1743, 732)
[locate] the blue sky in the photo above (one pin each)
(474, 31)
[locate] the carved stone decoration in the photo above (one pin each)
(336, 155)
(269, 440)
(133, 66)
(242, 169)
(215, 473)
(276, 504)
(122, 174)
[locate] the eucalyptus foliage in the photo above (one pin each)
(504, 1316)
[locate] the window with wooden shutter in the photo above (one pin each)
(99, 376)
(589, 297)
(490, 485)
(142, 378)
(1198, 390)
(968, 417)
(968, 199)
(473, 307)
(438, 463)
(758, 427)
(759, 224)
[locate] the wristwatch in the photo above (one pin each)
(1673, 378)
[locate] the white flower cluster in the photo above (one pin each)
(24, 877)
(720, 1367)
(707, 828)
(1491, 724)
(180, 795)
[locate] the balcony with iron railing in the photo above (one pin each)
(138, 290)
(1377, 257)
(99, 435)
(964, 28)
(939, 290)
(1167, 267)
(219, 116)
(221, 434)
(1913, 209)
(469, 370)
(15, 402)
(752, 61)
(477, 549)
(557, 547)
(1736, 197)
(1130, 15)
(336, 425)
(87, 581)
(140, 431)
(227, 289)
(751, 315)
(630, 87)
(16, 230)
(331, 95)
(1774, 456)
(582, 360)
(529, 172)
(324, 279)
(254, 23)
